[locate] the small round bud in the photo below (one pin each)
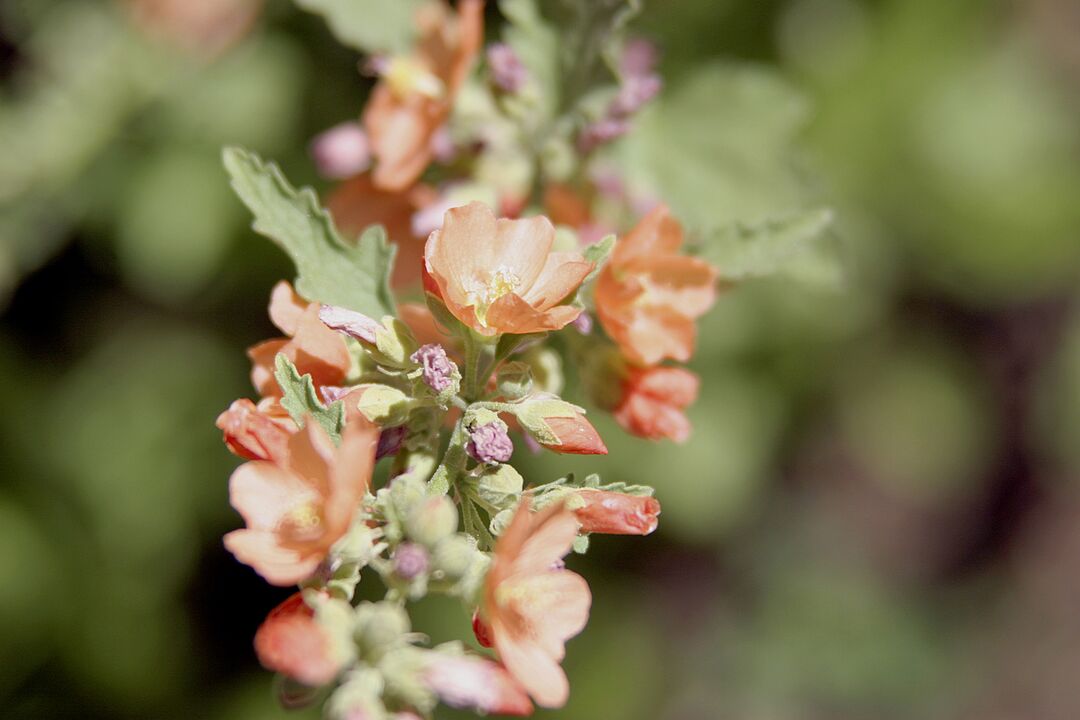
(514, 380)
(454, 556)
(410, 561)
(342, 151)
(432, 521)
(507, 72)
(380, 626)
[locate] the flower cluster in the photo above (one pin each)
(509, 233)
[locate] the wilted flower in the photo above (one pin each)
(615, 513)
(532, 606)
(500, 276)
(438, 369)
(415, 95)
(648, 297)
(653, 402)
(290, 641)
(507, 71)
(315, 349)
(297, 508)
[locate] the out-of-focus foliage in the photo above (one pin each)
(876, 517)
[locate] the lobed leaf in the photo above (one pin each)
(302, 401)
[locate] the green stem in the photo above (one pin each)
(453, 462)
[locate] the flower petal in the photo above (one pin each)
(561, 275)
(263, 492)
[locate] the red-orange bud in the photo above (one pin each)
(252, 433)
(614, 513)
(292, 643)
(576, 436)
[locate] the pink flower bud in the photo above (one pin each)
(410, 561)
(467, 681)
(507, 71)
(614, 513)
(437, 367)
(292, 643)
(342, 151)
(601, 132)
(635, 93)
(490, 443)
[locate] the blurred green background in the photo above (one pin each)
(878, 516)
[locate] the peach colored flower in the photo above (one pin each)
(468, 681)
(615, 513)
(500, 276)
(315, 349)
(358, 203)
(653, 402)
(414, 97)
(648, 296)
(292, 643)
(532, 605)
(296, 509)
(257, 432)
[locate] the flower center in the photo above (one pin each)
(407, 77)
(483, 294)
(303, 522)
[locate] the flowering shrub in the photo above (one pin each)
(479, 187)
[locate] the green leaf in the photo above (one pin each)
(331, 271)
(301, 400)
(599, 253)
(718, 147)
(793, 245)
(589, 31)
(370, 26)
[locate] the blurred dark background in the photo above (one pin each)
(878, 516)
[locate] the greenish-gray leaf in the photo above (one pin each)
(369, 26)
(329, 270)
(302, 401)
(598, 253)
(795, 245)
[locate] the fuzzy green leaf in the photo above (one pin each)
(599, 253)
(301, 400)
(369, 26)
(794, 245)
(329, 270)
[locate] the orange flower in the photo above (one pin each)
(648, 296)
(292, 643)
(414, 97)
(500, 276)
(653, 402)
(358, 203)
(296, 509)
(257, 432)
(315, 349)
(532, 606)
(615, 513)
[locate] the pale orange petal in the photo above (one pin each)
(656, 233)
(286, 307)
(562, 274)
(351, 475)
(534, 669)
(687, 285)
(461, 253)
(262, 365)
(277, 565)
(262, 493)
(522, 247)
(550, 538)
(672, 385)
(311, 457)
(511, 314)
(656, 333)
(557, 607)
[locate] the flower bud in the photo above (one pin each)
(342, 151)
(490, 443)
(615, 513)
(410, 561)
(560, 427)
(499, 486)
(291, 642)
(514, 380)
(653, 402)
(253, 434)
(379, 627)
(454, 556)
(440, 373)
(507, 72)
(382, 404)
(390, 440)
(432, 521)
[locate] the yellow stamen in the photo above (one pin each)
(483, 295)
(406, 77)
